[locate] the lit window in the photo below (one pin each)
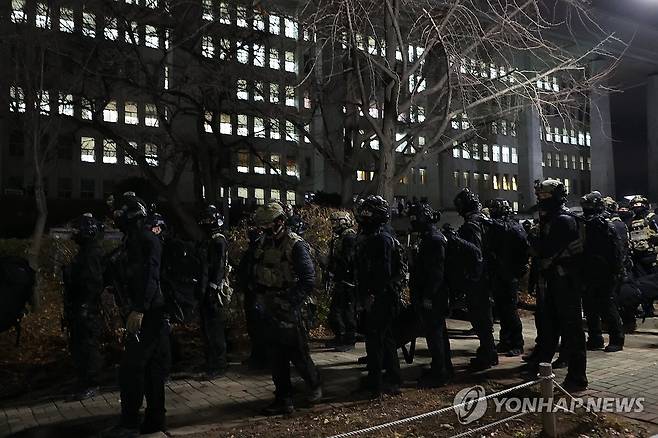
(556, 135)
(290, 66)
(495, 182)
(243, 193)
(259, 55)
(18, 14)
(557, 160)
(258, 21)
(110, 113)
(476, 179)
(131, 33)
(515, 206)
(151, 4)
(291, 132)
(258, 91)
(243, 93)
(274, 93)
(151, 115)
(224, 48)
(275, 129)
(306, 133)
(127, 159)
(505, 154)
(581, 138)
(455, 178)
(243, 53)
(66, 20)
(66, 104)
(291, 197)
(566, 184)
(589, 163)
(224, 13)
(275, 195)
(130, 113)
(151, 36)
(110, 32)
(259, 166)
(274, 59)
(275, 24)
(565, 161)
(165, 39)
(109, 152)
(588, 139)
(456, 152)
(512, 127)
(572, 137)
(225, 126)
(485, 152)
(241, 17)
(88, 149)
(165, 75)
(454, 123)
(582, 163)
(89, 25)
(549, 135)
(515, 156)
(307, 100)
(207, 10)
(495, 149)
(549, 159)
(466, 153)
(243, 162)
(243, 129)
(207, 47)
(290, 95)
(17, 99)
(275, 164)
(505, 182)
(422, 175)
(42, 16)
(291, 167)
(44, 102)
(259, 195)
(151, 154)
(485, 180)
(361, 175)
(85, 109)
(464, 122)
(467, 180)
(475, 150)
(207, 122)
(565, 136)
(290, 28)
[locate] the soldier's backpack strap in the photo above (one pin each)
(289, 245)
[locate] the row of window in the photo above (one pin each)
(260, 91)
(259, 127)
(478, 152)
(267, 163)
(566, 137)
(244, 17)
(485, 181)
(255, 54)
(89, 25)
(259, 195)
(105, 151)
(556, 159)
(482, 69)
(499, 127)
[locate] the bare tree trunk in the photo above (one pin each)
(385, 182)
(346, 189)
(39, 225)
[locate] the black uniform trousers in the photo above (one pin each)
(600, 303)
(213, 323)
(562, 317)
(255, 330)
(479, 309)
(342, 312)
(286, 346)
(506, 299)
(85, 332)
(381, 345)
(438, 343)
(143, 371)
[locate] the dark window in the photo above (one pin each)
(16, 145)
(309, 169)
(108, 188)
(87, 188)
(64, 188)
(65, 148)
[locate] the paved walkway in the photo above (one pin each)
(238, 396)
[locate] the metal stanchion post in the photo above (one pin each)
(548, 416)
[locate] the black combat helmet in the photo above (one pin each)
(87, 228)
(639, 204)
(373, 210)
(296, 224)
(611, 206)
(467, 202)
(128, 209)
(422, 216)
(551, 194)
(592, 203)
(211, 219)
(499, 208)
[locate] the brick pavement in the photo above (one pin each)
(239, 395)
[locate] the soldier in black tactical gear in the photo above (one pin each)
(212, 297)
(379, 294)
(342, 311)
(144, 363)
(283, 277)
(558, 248)
(603, 268)
(507, 261)
(644, 242)
(429, 294)
(470, 241)
(83, 285)
(252, 304)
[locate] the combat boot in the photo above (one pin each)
(280, 406)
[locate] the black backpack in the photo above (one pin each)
(507, 240)
(603, 252)
(180, 279)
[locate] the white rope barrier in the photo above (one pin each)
(490, 425)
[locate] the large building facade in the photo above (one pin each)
(262, 61)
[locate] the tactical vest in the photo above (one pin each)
(337, 242)
(641, 232)
(273, 264)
